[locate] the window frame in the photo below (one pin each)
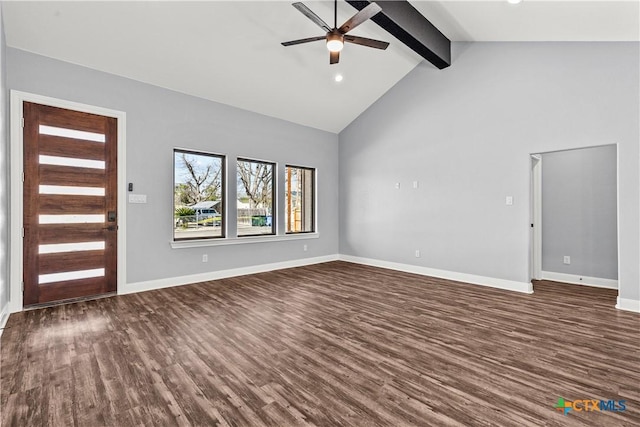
(274, 196)
(223, 194)
(313, 200)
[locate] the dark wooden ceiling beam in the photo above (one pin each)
(404, 22)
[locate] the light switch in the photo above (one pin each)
(415, 184)
(137, 198)
(509, 200)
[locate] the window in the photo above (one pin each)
(198, 188)
(299, 199)
(255, 202)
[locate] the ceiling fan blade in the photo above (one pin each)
(307, 40)
(366, 42)
(334, 57)
(309, 14)
(360, 17)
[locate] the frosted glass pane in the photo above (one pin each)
(71, 219)
(68, 190)
(71, 161)
(70, 275)
(71, 133)
(70, 247)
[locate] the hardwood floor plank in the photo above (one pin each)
(333, 344)
(90, 401)
(58, 389)
(279, 416)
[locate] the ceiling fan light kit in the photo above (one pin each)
(335, 42)
(336, 37)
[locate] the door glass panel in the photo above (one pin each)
(71, 161)
(70, 275)
(71, 191)
(71, 219)
(71, 133)
(70, 247)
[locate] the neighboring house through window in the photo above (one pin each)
(198, 189)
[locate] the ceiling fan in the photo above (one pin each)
(336, 37)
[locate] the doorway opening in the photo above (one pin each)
(574, 216)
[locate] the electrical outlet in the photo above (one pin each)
(205, 258)
(397, 185)
(567, 259)
(304, 248)
(417, 253)
(508, 200)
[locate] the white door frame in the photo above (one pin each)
(16, 190)
(536, 217)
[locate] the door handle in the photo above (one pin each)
(111, 228)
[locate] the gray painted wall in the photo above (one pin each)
(159, 120)
(466, 133)
(4, 174)
(579, 213)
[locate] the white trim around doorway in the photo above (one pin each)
(16, 190)
(536, 216)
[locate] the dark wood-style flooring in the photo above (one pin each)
(329, 344)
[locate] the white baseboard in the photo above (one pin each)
(4, 316)
(580, 280)
(510, 285)
(628, 305)
(131, 288)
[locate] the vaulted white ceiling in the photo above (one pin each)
(230, 52)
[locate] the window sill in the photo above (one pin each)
(241, 240)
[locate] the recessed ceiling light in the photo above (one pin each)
(514, 1)
(338, 78)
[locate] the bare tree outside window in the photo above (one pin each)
(200, 178)
(255, 185)
(198, 201)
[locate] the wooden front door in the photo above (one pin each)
(70, 204)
